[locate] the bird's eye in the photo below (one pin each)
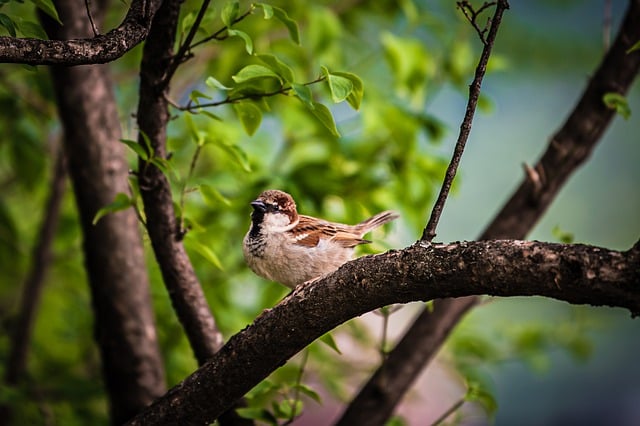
(276, 207)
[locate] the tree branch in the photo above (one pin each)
(177, 271)
(34, 283)
(465, 128)
(97, 50)
(577, 273)
(516, 219)
(124, 327)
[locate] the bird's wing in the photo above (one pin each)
(310, 231)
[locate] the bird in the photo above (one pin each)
(289, 248)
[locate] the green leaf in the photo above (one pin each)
(340, 87)
(396, 421)
(328, 340)
(137, 148)
(196, 135)
(147, 144)
(187, 22)
(306, 390)
(204, 251)
(165, 167)
(251, 72)
(239, 155)
(257, 414)
(267, 9)
(248, 43)
(212, 196)
(304, 94)
(563, 236)
(477, 393)
(292, 26)
(215, 84)
(210, 115)
(47, 7)
(32, 30)
(357, 92)
(279, 67)
(285, 409)
(618, 103)
(8, 24)
(323, 114)
(635, 47)
(121, 202)
(230, 13)
(250, 116)
(195, 96)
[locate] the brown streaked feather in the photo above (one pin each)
(309, 231)
(375, 221)
(348, 240)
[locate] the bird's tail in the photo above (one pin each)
(375, 221)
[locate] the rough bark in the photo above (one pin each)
(166, 237)
(114, 256)
(568, 149)
(573, 273)
(80, 49)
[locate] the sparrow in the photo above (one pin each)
(284, 246)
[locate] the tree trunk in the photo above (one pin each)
(114, 255)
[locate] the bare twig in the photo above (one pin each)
(183, 51)
(606, 24)
(472, 16)
(218, 34)
(87, 4)
(184, 48)
(465, 128)
(459, 403)
(578, 136)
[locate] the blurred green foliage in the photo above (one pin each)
(386, 59)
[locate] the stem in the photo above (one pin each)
(192, 167)
(296, 394)
(450, 411)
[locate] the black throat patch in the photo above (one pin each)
(257, 216)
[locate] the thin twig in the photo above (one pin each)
(606, 25)
(87, 4)
(181, 56)
(184, 47)
(472, 16)
(231, 100)
(450, 411)
(296, 391)
(217, 35)
(192, 167)
(465, 128)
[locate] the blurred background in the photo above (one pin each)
(536, 361)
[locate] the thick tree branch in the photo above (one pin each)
(81, 51)
(166, 237)
(124, 326)
(571, 145)
(574, 273)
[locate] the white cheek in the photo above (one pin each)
(277, 222)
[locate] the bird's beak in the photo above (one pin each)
(259, 205)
